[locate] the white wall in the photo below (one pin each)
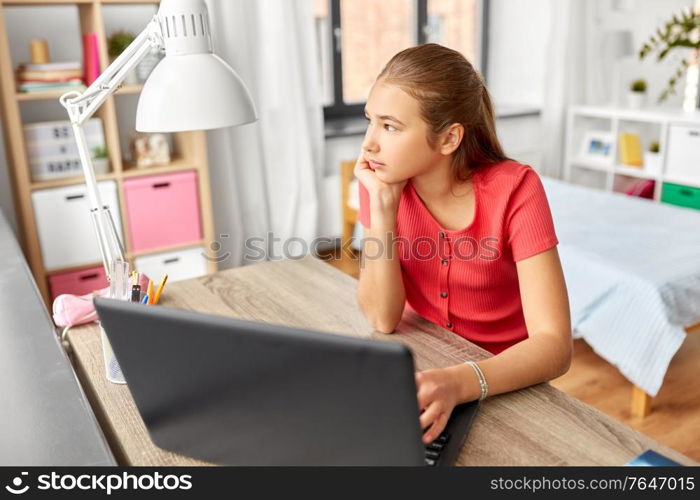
(518, 37)
(641, 18)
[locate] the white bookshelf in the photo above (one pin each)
(651, 124)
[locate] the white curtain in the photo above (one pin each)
(574, 73)
(265, 176)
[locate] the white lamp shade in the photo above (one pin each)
(193, 92)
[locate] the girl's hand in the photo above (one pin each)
(438, 392)
(387, 195)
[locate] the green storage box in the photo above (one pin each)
(684, 196)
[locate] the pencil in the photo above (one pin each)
(149, 292)
(160, 289)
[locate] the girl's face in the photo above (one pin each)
(396, 144)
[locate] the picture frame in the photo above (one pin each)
(597, 147)
(149, 150)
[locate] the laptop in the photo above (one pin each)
(236, 392)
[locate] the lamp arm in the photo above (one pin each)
(81, 106)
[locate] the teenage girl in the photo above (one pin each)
(458, 231)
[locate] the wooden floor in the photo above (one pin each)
(675, 417)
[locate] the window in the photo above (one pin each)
(357, 37)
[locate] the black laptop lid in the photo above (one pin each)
(244, 393)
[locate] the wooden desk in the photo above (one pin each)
(536, 426)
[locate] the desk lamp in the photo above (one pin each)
(189, 89)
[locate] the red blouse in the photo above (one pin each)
(466, 280)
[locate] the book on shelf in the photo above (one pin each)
(91, 59)
(49, 77)
(53, 66)
(630, 150)
(24, 75)
(33, 87)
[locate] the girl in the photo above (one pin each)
(457, 230)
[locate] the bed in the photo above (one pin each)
(632, 268)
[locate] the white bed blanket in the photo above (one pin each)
(632, 269)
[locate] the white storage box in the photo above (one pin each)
(64, 225)
(683, 157)
(60, 130)
(54, 168)
(52, 152)
(64, 147)
(178, 265)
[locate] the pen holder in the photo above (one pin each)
(118, 289)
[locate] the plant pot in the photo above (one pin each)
(652, 162)
(100, 165)
(636, 100)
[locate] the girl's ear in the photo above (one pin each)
(451, 139)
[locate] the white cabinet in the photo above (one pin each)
(683, 160)
(65, 227)
(677, 132)
(178, 265)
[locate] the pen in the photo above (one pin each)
(160, 289)
(149, 292)
(145, 300)
(136, 294)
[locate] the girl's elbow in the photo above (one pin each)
(567, 353)
(565, 365)
(382, 321)
(384, 326)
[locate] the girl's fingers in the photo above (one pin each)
(429, 416)
(435, 429)
(424, 396)
(423, 401)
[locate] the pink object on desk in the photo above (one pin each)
(71, 309)
(162, 210)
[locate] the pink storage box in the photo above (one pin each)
(162, 210)
(78, 282)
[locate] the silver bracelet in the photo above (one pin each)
(482, 380)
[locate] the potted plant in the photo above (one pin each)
(681, 32)
(100, 160)
(636, 97)
(652, 159)
(116, 44)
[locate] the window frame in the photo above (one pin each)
(341, 110)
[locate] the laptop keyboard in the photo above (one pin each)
(434, 449)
